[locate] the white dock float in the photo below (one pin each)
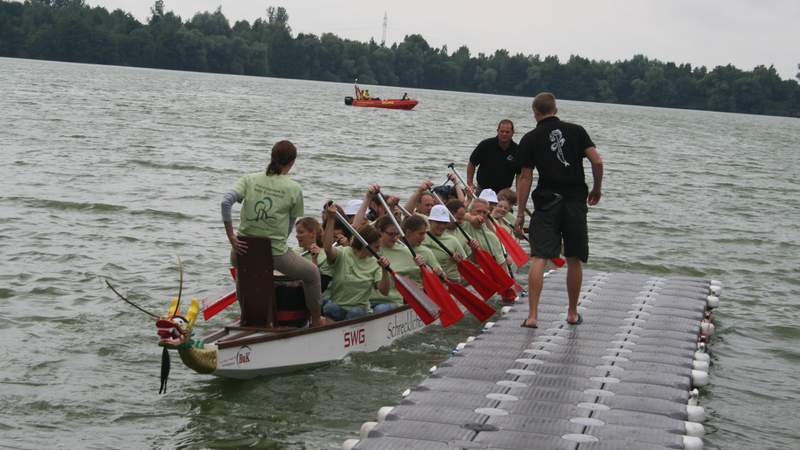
(624, 378)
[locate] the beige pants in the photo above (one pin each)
(296, 267)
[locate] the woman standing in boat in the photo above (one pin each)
(271, 201)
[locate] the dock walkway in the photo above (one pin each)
(624, 378)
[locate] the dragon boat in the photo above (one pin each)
(270, 336)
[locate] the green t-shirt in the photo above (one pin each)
(448, 265)
(487, 240)
(267, 204)
(455, 234)
(354, 279)
(401, 261)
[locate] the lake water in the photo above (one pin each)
(110, 172)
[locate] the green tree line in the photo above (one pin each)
(70, 30)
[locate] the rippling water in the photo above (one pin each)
(109, 172)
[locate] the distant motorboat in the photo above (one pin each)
(363, 98)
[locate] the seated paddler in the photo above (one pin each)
(356, 273)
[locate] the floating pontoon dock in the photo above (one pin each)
(624, 379)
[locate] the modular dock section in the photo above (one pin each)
(624, 378)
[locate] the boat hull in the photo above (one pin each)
(270, 354)
(387, 103)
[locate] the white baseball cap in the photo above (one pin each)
(351, 207)
(488, 195)
(439, 214)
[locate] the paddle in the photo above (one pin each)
(474, 304)
(484, 258)
(450, 313)
(517, 253)
(411, 293)
(485, 286)
(557, 261)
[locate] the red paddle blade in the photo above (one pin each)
(485, 286)
(450, 312)
(558, 261)
(494, 270)
(515, 251)
(472, 302)
(415, 298)
(218, 305)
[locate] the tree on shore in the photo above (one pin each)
(70, 30)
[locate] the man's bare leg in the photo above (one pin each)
(574, 281)
(535, 283)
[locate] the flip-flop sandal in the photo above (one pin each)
(525, 325)
(577, 322)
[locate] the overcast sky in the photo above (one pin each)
(701, 32)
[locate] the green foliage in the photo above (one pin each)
(70, 30)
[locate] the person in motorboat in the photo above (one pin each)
(405, 96)
(356, 274)
(271, 201)
(438, 221)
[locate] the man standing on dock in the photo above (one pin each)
(556, 149)
(496, 160)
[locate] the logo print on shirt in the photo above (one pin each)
(557, 145)
(262, 208)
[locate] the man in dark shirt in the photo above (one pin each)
(496, 160)
(556, 149)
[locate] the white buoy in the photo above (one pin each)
(700, 365)
(692, 443)
(695, 429)
(460, 346)
(470, 339)
(384, 411)
(432, 369)
(488, 325)
(716, 283)
(349, 444)
(707, 327)
(696, 413)
(505, 310)
(406, 393)
(702, 356)
(715, 290)
(694, 395)
(699, 378)
(366, 427)
(712, 301)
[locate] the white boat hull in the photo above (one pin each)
(331, 343)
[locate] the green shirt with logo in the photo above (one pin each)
(268, 201)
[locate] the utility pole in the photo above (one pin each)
(385, 22)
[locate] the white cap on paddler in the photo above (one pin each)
(351, 207)
(439, 214)
(488, 195)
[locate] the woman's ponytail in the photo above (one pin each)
(283, 153)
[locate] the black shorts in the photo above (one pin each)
(567, 220)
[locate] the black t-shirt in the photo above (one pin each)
(496, 167)
(556, 149)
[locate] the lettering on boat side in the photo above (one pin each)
(355, 337)
(402, 326)
(243, 356)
